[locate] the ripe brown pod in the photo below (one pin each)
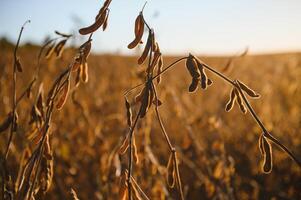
(194, 85)
(50, 51)
(248, 90)
(124, 146)
(260, 144)
(5, 124)
(240, 102)
(171, 171)
(105, 24)
(98, 22)
(63, 96)
(191, 65)
(204, 78)
(146, 48)
(139, 97)
(128, 113)
(159, 69)
(84, 72)
(139, 30)
(123, 192)
(59, 48)
(231, 101)
(209, 82)
(267, 162)
(136, 157)
(145, 103)
(18, 65)
(76, 64)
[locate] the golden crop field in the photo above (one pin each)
(218, 151)
(79, 125)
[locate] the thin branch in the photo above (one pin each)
(130, 166)
(265, 132)
(14, 100)
(171, 148)
(169, 66)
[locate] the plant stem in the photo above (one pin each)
(169, 66)
(265, 132)
(172, 149)
(130, 166)
(14, 100)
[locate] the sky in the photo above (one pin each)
(214, 27)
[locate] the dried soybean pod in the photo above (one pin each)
(139, 30)
(87, 48)
(106, 3)
(105, 24)
(64, 93)
(231, 101)
(191, 65)
(267, 163)
(98, 22)
(146, 48)
(139, 97)
(62, 34)
(248, 90)
(260, 144)
(138, 24)
(124, 146)
(159, 69)
(76, 64)
(84, 72)
(157, 101)
(151, 97)
(74, 195)
(171, 172)
(136, 158)
(154, 45)
(209, 82)
(136, 194)
(145, 102)
(194, 85)
(77, 78)
(5, 124)
(50, 51)
(204, 78)
(128, 112)
(59, 48)
(154, 62)
(240, 102)
(18, 65)
(123, 193)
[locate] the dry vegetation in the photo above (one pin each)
(91, 146)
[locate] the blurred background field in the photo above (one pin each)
(218, 151)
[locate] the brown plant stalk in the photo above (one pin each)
(14, 92)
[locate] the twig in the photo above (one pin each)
(14, 100)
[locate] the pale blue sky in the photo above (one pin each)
(198, 26)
